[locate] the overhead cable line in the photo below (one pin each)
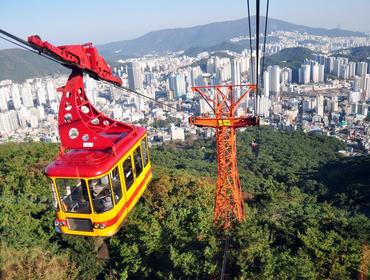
(257, 52)
(264, 40)
(250, 37)
(27, 46)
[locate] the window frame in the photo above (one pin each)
(110, 189)
(55, 196)
(144, 147)
(120, 184)
(130, 158)
(83, 181)
(141, 160)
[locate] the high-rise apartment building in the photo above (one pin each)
(361, 68)
(352, 69)
(315, 72)
(16, 97)
(304, 74)
(274, 73)
(320, 105)
(135, 75)
(235, 72)
(4, 97)
(321, 73)
(266, 83)
(26, 95)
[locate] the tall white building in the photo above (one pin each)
(180, 85)
(9, 121)
(362, 85)
(352, 69)
(16, 97)
(51, 92)
(361, 68)
(344, 71)
(266, 84)
(358, 83)
(274, 73)
(320, 105)
(41, 96)
(196, 77)
(4, 97)
(235, 72)
(334, 103)
(329, 64)
(264, 106)
(338, 62)
(315, 72)
(286, 75)
(321, 73)
(177, 84)
(304, 74)
(211, 65)
(135, 75)
(366, 95)
(26, 95)
(245, 62)
(223, 70)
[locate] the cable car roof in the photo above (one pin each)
(92, 163)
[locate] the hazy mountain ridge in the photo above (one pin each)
(178, 39)
(18, 65)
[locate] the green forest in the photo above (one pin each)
(308, 215)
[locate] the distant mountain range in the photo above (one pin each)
(182, 39)
(18, 65)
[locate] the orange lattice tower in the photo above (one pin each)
(223, 102)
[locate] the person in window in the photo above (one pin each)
(96, 189)
(107, 201)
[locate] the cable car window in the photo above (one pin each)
(138, 162)
(127, 171)
(116, 185)
(73, 195)
(101, 194)
(145, 152)
(54, 196)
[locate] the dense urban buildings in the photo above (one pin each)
(329, 94)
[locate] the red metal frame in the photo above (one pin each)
(223, 103)
(84, 57)
(81, 125)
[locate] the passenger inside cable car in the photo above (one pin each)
(101, 194)
(73, 195)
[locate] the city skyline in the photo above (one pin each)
(24, 18)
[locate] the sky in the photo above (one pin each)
(79, 21)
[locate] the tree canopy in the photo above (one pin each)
(308, 216)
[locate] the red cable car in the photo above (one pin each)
(103, 167)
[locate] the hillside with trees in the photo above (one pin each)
(355, 54)
(19, 65)
(307, 215)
